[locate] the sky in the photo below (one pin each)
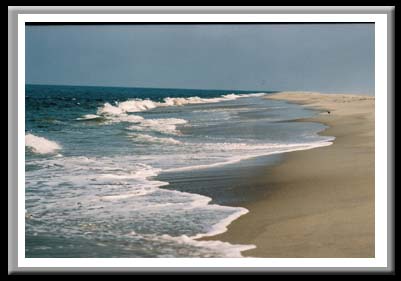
(301, 57)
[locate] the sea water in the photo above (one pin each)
(94, 154)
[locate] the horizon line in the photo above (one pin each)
(369, 93)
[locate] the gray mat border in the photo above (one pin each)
(13, 12)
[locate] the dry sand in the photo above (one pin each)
(320, 201)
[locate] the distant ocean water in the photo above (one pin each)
(93, 155)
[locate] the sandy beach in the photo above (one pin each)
(320, 202)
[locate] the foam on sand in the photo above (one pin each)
(129, 192)
(200, 202)
(41, 145)
(243, 151)
(228, 250)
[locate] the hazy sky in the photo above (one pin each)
(327, 58)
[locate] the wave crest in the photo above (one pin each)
(138, 105)
(41, 145)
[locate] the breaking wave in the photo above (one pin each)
(41, 145)
(138, 105)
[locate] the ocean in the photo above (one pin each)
(123, 172)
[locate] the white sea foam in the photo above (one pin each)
(198, 100)
(243, 151)
(203, 202)
(226, 249)
(114, 114)
(222, 225)
(109, 109)
(126, 118)
(150, 139)
(163, 125)
(127, 195)
(138, 105)
(94, 191)
(41, 145)
(89, 117)
(119, 112)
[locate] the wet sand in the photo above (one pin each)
(320, 202)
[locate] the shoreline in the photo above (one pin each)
(320, 202)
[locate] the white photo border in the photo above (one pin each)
(380, 259)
